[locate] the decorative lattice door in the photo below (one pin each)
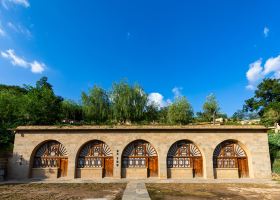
(229, 154)
(141, 154)
(96, 154)
(184, 154)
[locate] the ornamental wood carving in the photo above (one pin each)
(181, 154)
(136, 154)
(49, 155)
(226, 155)
(92, 155)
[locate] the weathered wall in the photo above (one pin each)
(254, 143)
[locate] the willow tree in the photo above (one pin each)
(128, 102)
(96, 105)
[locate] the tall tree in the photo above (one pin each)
(152, 113)
(96, 105)
(128, 102)
(265, 100)
(211, 107)
(43, 106)
(71, 111)
(12, 113)
(180, 111)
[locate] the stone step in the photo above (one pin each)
(136, 190)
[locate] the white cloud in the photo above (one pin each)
(254, 74)
(157, 99)
(177, 91)
(19, 29)
(34, 66)
(24, 3)
(37, 67)
(15, 60)
(2, 32)
(257, 72)
(272, 65)
(265, 31)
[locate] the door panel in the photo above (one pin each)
(108, 167)
(197, 166)
(153, 167)
(63, 167)
(243, 167)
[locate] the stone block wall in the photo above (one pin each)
(253, 141)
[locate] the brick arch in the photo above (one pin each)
(94, 159)
(184, 160)
(48, 159)
(230, 160)
(139, 157)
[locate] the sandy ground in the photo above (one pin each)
(61, 191)
(196, 191)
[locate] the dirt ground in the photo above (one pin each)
(61, 191)
(180, 191)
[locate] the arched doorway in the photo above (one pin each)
(50, 161)
(139, 160)
(95, 160)
(184, 160)
(230, 160)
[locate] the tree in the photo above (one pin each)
(271, 114)
(211, 108)
(152, 113)
(238, 115)
(180, 111)
(128, 102)
(266, 101)
(12, 104)
(43, 106)
(71, 111)
(96, 105)
(163, 115)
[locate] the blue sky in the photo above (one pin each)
(170, 48)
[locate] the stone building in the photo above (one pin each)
(183, 152)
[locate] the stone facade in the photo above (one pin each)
(253, 139)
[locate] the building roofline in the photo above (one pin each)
(142, 127)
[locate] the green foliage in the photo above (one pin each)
(96, 105)
(211, 108)
(274, 149)
(180, 111)
(266, 101)
(242, 115)
(152, 113)
(43, 106)
(271, 114)
(30, 105)
(128, 102)
(71, 111)
(163, 115)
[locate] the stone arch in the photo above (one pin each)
(230, 160)
(139, 160)
(94, 160)
(184, 160)
(49, 159)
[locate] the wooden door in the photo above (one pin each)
(243, 167)
(63, 167)
(108, 167)
(197, 167)
(153, 167)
